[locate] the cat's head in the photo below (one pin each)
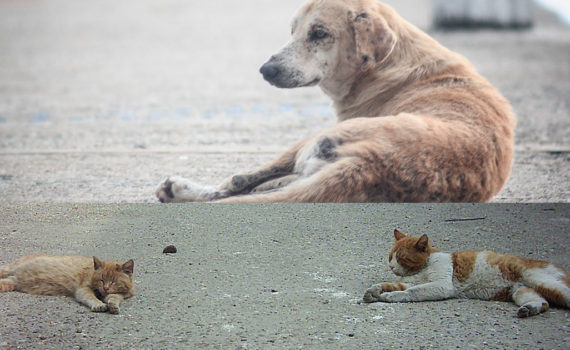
(409, 254)
(113, 278)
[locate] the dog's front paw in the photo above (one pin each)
(177, 189)
(164, 191)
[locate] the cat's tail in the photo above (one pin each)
(551, 282)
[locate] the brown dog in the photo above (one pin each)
(416, 122)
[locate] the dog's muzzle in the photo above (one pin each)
(280, 75)
(270, 71)
(277, 75)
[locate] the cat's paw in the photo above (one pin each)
(7, 285)
(99, 307)
(372, 294)
(113, 308)
(531, 309)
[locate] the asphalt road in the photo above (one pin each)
(274, 276)
(100, 101)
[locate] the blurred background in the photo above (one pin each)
(99, 101)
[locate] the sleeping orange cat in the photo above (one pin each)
(100, 285)
(429, 274)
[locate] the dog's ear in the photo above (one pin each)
(374, 38)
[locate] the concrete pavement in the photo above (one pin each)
(274, 276)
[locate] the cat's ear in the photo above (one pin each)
(128, 267)
(398, 235)
(422, 243)
(97, 264)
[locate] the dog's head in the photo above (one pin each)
(333, 41)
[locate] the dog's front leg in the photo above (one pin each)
(281, 167)
(245, 183)
(178, 189)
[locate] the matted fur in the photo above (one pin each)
(417, 123)
(100, 285)
(432, 275)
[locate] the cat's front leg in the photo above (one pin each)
(395, 297)
(87, 297)
(373, 293)
(113, 301)
(437, 290)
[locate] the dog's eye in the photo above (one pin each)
(318, 34)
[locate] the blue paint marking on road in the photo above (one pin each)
(128, 115)
(158, 115)
(258, 109)
(78, 118)
(209, 114)
(183, 113)
(305, 110)
(2, 120)
(155, 115)
(233, 112)
(187, 113)
(40, 117)
(321, 109)
(285, 108)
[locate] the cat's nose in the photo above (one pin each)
(391, 267)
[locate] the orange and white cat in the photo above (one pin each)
(100, 285)
(428, 274)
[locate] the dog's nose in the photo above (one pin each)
(270, 70)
